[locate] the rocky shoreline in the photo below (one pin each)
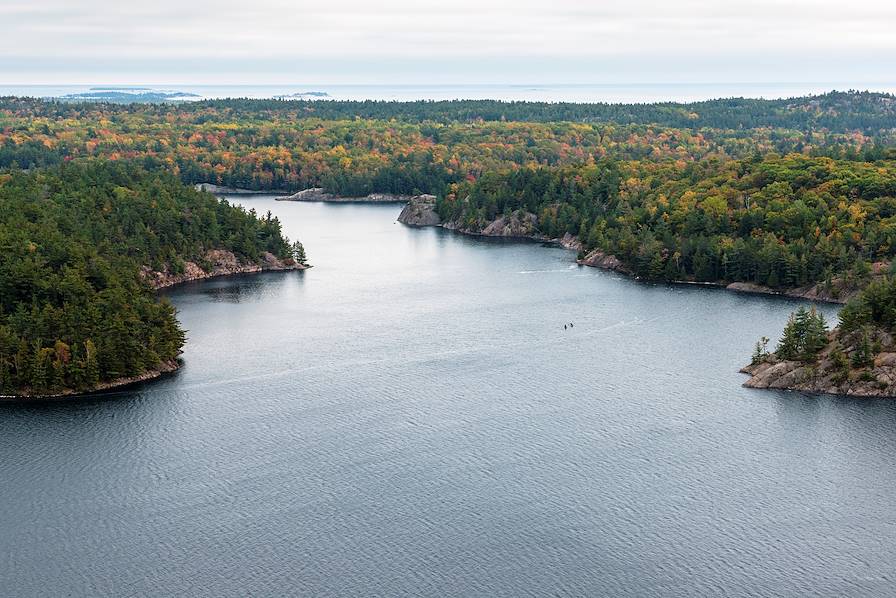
(166, 367)
(420, 211)
(318, 194)
(222, 190)
(826, 376)
(222, 263)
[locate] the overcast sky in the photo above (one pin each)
(453, 41)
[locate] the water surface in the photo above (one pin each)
(409, 417)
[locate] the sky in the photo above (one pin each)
(451, 41)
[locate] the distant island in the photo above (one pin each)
(128, 95)
(306, 94)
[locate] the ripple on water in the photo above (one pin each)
(410, 418)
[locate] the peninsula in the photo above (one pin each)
(856, 358)
(85, 248)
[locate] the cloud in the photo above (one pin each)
(105, 39)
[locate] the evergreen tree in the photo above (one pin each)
(298, 253)
(862, 355)
(789, 344)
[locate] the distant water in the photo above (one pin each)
(409, 417)
(619, 93)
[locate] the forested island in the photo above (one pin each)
(793, 196)
(84, 248)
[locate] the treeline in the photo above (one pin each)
(834, 111)
(74, 310)
(777, 221)
(360, 147)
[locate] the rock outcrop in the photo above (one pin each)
(221, 190)
(599, 259)
(420, 211)
(318, 194)
(832, 371)
(519, 224)
(570, 242)
(218, 262)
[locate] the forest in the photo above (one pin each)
(355, 148)
(782, 193)
(779, 221)
(74, 310)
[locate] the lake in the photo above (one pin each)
(409, 417)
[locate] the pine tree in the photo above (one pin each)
(761, 350)
(298, 253)
(789, 345)
(815, 337)
(862, 355)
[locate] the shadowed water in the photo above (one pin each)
(409, 417)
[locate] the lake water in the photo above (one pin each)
(409, 417)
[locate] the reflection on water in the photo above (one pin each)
(409, 417)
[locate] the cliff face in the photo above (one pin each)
(420, 211)
(222, 263)
(832, 371)
(318, 194)
(517, 225)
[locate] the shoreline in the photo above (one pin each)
(243, 272)
(610, 263)
(166, 367)
(819, 378)
(223, 263)
(317, 194)
(163, 369)
(420, 211)
(219, 190)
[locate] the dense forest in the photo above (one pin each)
(355, 148)
(835, 111)
(777, 192)
(74, 310)
(776, 221)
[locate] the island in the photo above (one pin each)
(129, 95)
(85, 249)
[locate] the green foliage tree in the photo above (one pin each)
(74, 308)
(804, 335)
(298, 253)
